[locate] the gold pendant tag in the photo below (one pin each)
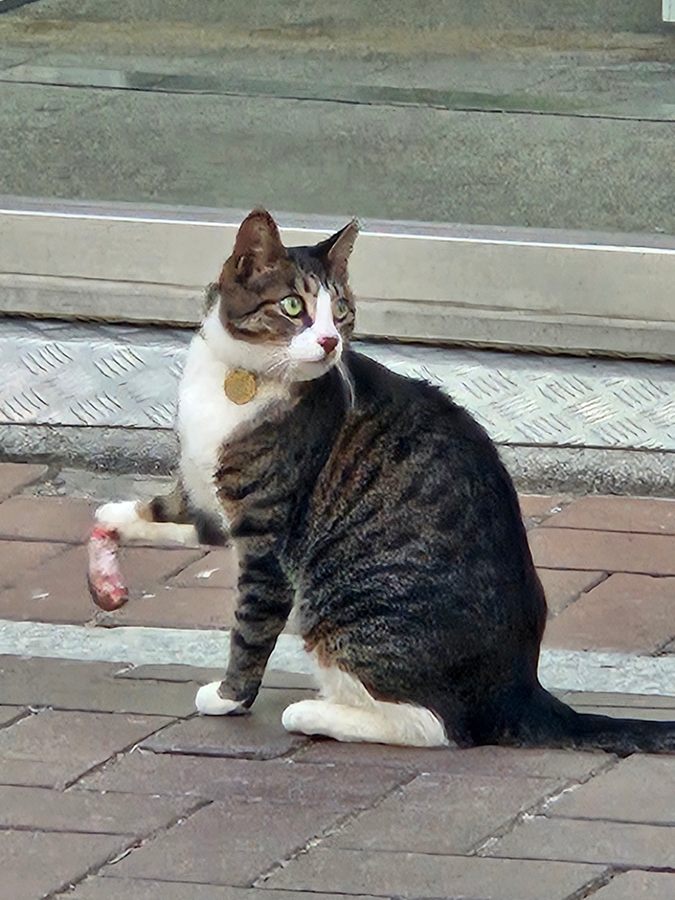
(240, 386)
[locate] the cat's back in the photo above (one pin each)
(412, 406)
(413, 469)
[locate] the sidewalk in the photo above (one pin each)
(106, 775)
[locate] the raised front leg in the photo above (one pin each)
(265, 601)
(164, 518)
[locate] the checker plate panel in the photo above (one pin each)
(65, 374)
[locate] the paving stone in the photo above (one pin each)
(340, 788)
(109, 486)
(638, 886)
(256, 736)
(225, 843)
(625, 613)
(171, 672)
(76, 685)
(19, 557)
(564, 586)
(445, 814)
(169, 607)
(640, 789)
(652, 715)
(277, 678)
(28, 681)
(34, 864)
(141, 889)
(413, 875)
(14, 476)
(633, 514)
(144, 567)
(541, 506)
(218, 569)
(558, 764)
(40, 809)
(569, 548)
(576, 840)
(628, 703)
(409, 758)
(46, 519)
(273, 678)
(52, 749)
(57, 591)
(9, 714)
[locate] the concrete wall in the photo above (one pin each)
(562, 291)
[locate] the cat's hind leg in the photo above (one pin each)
(348, 712)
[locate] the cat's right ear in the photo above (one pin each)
(337, 249)
(257, 246)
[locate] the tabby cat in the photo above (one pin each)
(370, 503)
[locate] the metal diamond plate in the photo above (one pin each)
(61, 374)
(58, 374)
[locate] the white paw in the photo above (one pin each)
(303, 717)
(209, 702)
(125, 518)
(118, 515)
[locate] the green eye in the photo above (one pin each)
(292, 306)
(341, 308)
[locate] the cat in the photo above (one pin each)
(369, 504)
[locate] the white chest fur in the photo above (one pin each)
(207, 419)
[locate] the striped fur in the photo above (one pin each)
(380, 511)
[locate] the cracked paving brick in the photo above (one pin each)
(53, 748)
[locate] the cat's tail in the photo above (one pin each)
(540, 720)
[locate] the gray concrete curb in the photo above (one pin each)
(575, 470)
(571, 670)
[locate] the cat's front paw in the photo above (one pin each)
(209, 702)
(106, 584)
(120, 516)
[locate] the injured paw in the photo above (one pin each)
(104, 575)
(209, 702)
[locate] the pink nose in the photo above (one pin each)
(328, 343)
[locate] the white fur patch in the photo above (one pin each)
(209, 702)
(207, 418)
(306, 347)
(124, 518)
(348, 712)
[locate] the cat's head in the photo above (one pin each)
(289, 309)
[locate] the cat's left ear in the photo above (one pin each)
(337, 249)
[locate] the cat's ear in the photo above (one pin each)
(337, 249)
(257, 246)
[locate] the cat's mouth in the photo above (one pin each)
(309, 369)
(310, 358)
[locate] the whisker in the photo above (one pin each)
(346, 382)
(278, 366)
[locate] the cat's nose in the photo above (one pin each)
(328, 343)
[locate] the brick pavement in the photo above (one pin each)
(146, 805)
(112, 789)
(607, 563)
